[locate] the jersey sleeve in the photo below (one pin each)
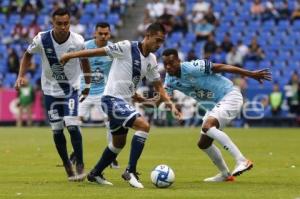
(152, 73)
(202, 66)
(35, 46)
(118, 50)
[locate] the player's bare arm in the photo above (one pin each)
(82, 53)
(87, 78)
(259, 75)
(164, 97)
(25, 62)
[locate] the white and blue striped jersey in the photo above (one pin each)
(128, 68)
(57, 79)
(198, 81)
(100, 67)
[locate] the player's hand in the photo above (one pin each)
(84, 94)
(138, 98)
(175, 111)
(20, 82)
(64, 59)
(261, 75)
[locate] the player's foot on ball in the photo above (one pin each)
(220, 178)
(99, 179)
(132, 179)
(242, 167)
(114, 164)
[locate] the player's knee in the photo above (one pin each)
(142, 125)
(203, 145)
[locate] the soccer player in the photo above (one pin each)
(100, 67)
(61, 85)
(200, 80)
(132, 61)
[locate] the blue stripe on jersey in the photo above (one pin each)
(136, 63)
(57, 69)
(207, 66)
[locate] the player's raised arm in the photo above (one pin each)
(82, 53)
(259, 75)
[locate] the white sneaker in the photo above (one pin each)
(220, 178)
(72, 178)
(132, 179)
(99, 179)
(242, 167)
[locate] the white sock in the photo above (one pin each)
(226, 142)
(108, 136)
(216, 156)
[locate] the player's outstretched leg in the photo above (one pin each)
(242, 164)
(205, 144)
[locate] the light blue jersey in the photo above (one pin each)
(100, 67)
(198, 81)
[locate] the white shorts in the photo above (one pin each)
(227, 109)
(91, 102)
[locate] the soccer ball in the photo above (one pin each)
(162, 176)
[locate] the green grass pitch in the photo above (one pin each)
(28, 165)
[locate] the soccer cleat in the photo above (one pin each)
(70, 172)
(80, 172)
(242, 167)
(114, 164)
(99, 179)
(132, 179)
(220, 178)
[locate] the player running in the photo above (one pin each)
(61, 85)
(132, 61)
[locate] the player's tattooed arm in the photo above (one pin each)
(259, 75)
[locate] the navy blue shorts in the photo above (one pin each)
(58, 107)
(119, 112)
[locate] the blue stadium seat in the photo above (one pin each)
(9, 80)
(91, 9)
(113, 19)
(3, 19)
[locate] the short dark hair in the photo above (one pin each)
(102, 25)
(155, 27)
(61, 12)
(170, 51)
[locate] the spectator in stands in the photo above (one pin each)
(20, 33)
(73, 8)
(172, 7)
(257, 9)
(33, 30)
(276, 99)
(219, 56)
(210, 46)
(26, 100)
(296, 14)
(255, 51)
(284, 10)
(242, 49)
(13, 61)
(293, 94)
(234, 58)
(226, 44)
(77, 27)
(203, 30)
(270, 11)
(201, 7)
(144, 25)
(31, 7)
(211, 18)
(180, 20)
(155, 8)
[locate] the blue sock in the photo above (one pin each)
(107, 157)
(61, 145)
(137, 146)
(76, 140)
